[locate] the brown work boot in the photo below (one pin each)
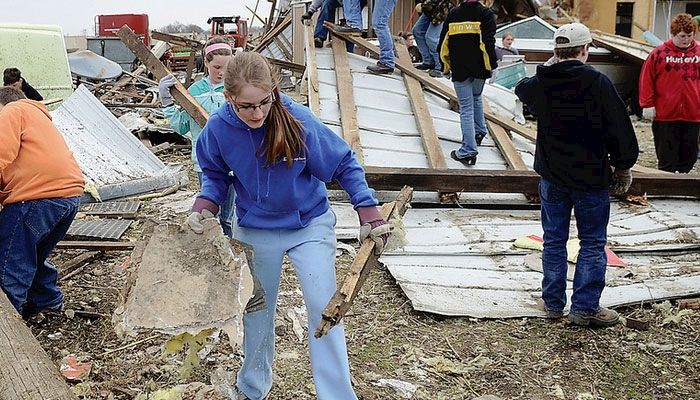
(604, 318)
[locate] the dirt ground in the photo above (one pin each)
(445, 358)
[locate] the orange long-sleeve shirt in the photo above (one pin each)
(35, 162)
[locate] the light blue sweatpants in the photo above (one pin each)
(312, 251)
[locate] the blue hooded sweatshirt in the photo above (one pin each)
(277, 196)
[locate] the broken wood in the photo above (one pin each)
(361, 266)
(512, 181)
(312, 71)
(177, 40)
(190, 67)
(161, 147)
(95, 245)
(180, 94)
(26, 371)
(77, 262)
(637, 324)
(282, 46)
(424, 121)
(346, 99)
(693, 304)
(299, 68)
(270, 34)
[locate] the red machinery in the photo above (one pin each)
(234, 27)
(108, 25)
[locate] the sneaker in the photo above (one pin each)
(479, 137)
(435, 73)
(425, 67)
(318, 43)
(468, 161)
(604, 318)
(349, 30)
(380, 69)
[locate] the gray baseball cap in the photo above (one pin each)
(576, 34)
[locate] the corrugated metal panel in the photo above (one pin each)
(113, 161)
(462, 262)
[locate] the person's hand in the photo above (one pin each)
(649, 113)
(552, 60)
(621, 182)
(374, 227)
(164, 86)
(419, 8)
(194, 221)
(306, 16)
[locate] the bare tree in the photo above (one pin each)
(179, 27)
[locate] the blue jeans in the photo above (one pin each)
(380, 23)
(312, 251)
(592, 211)
(29, 232)
(427, 36)
(227, 212)
(327, 13)
(471, 114)
(352, 11)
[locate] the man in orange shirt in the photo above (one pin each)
(40, 189)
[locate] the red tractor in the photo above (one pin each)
(234, 27)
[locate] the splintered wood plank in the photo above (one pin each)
(26, 371)
(312, 71)
(180, 94)
(126, 209)
(346, 99)
(424, 120)
(361, 266)
(505, 144)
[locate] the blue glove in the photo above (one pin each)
(168, 81)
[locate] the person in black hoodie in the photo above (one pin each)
(468, 49)
(586, 146)
(13, 77)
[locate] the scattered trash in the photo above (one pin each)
(404, 389)
(74, 370)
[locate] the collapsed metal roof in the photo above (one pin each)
(114, 162)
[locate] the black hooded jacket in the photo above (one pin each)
(30, 92)
(583, 127)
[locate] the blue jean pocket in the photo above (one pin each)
(43, 215)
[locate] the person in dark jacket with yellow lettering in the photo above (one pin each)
(468, 50)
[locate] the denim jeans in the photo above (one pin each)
(592, 211)
(380, 23)
(312, 251)
(327, 13)
(29, 231)
(427, 36)
(227, 212)
(352, 11)
(471, 114)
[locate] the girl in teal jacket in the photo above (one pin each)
(209, 93)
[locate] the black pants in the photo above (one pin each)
(676, 144)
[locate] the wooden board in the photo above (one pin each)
(180, 94)
(431, 143)
(312, 71)
(298, 33)
(505, 144)
(346, 99)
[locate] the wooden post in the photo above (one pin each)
(298, 10)
(180, 94)
(26, 371)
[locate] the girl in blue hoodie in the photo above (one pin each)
(209, 93)
(281, 156)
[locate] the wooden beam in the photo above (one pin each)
(312, 71)
(511, 181)
(180, 94)
(421, 112)
(190, 67)
(505, 145)
(433, 84)
(298, 10)
(272, 33)
(177, 40)
(299, 68)
(269, 23)
(95, 245)
(346, 99)
(26, 371)
(361, 266)
(77, 262)
(283, 46)
(256, 14)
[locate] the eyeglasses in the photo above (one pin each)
(250, 108)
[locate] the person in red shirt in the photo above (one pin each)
(669, 93)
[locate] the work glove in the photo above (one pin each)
(373, 226)
(649, 113)
(306, 15)
(419, 8)
(166, 82)
(194, 221)
(621, 181)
